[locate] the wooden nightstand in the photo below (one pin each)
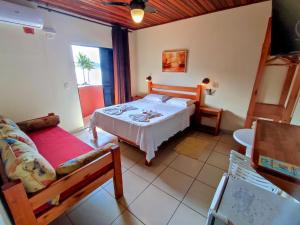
(137, 97)
(210, 113)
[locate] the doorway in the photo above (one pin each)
(88, 72)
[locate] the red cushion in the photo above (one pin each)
(57, 145)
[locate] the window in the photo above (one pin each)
(87, 65)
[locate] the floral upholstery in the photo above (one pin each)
(8, 131)
(6, 121)
(22, 162)
(76, 163)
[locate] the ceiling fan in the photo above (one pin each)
(137, 8)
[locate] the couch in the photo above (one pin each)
(45, 170)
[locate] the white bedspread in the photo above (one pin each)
(147, 135)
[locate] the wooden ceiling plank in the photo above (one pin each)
(223, 4)
(230, 3)
(103, 16)
(217, 4)
(148, 19)
(199, 9)
(163, 8)
(180, 6)
(119, 12)
(203, 8)
(168, 10)
(207, 4)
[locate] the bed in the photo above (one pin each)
(148, 136)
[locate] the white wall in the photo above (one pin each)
(224, 46)
(35, 69)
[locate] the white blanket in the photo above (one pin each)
(148, 136)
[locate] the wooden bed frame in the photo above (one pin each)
(193, 93)
(23, 206)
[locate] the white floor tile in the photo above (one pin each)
(174, 183)
(69, 210)
(196, 147)
(187, 165)
(206, 136)
(186, 216)
(219, 160)
(156, 204)
(103, 137)
(166, 156)
(148, 173)
(227, 139)
(127, 219)
(62, 220)
(199, 197)
(133, 185)
(100, 209)
(210, 175)
(224, 148)
(154, 207)
(130, 155)
(204, 155)
(124, 169)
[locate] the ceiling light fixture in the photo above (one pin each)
(137, 15)
(137, 8)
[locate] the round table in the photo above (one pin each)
(246, 138)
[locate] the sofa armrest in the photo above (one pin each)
(76, 163)
(39, 123)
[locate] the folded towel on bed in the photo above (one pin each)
(145, 116)
(119, 109)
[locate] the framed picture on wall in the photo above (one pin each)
(174, 60)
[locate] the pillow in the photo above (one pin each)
(74, 164)
(22, 162)
(7, 131)
(4, 120)
(180, 101)
(156, 97)
(40, 123)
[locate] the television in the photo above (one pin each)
(285, 27)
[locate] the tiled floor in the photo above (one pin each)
(175, 190)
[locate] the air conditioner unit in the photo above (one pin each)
(20, 15)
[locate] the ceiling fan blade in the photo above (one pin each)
(115, 3)
(150, 9)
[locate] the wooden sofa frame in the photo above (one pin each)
(193, 93)
(23, 205)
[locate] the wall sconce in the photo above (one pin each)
(208, 86)
(149, 78)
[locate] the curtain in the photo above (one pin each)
(121, 64)
(107, 71)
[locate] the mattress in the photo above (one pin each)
(57, 145)
(147, 135)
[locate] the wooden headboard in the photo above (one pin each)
(193, 93)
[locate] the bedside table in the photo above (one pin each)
(211, 113)
(137, 97)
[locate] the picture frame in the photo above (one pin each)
(174, 60)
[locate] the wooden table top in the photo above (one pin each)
(280, 142)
